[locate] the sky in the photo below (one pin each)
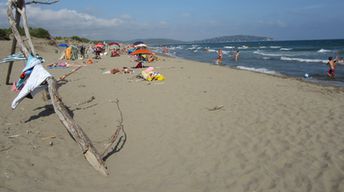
(188, 20)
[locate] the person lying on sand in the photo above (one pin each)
(124, 70)
(62, 64)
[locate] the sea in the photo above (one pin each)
(305, 60)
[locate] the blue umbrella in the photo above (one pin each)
(63, 45)
(138, 42)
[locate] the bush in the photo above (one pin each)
(80, 39)
(40, 33)
(4, 34)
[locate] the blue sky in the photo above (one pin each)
(189, 19)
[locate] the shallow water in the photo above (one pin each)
(289, 58)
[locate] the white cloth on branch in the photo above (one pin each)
(33, 84)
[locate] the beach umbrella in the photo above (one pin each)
(138, 42)
(114, 43)
(63, 45)
(100, 45)
(141, 45)
(141, 51)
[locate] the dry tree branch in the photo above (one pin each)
(12, 4)
(47, 2)
(26, 28)
(113, 145)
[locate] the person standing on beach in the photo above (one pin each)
(219, 57)
(82, 51)
(236, 55)
(332, 67)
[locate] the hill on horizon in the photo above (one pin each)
(234, 38)
(222, 39)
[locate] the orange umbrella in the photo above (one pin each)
(141, 51)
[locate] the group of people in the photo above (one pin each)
(331, 62)
(235, 56)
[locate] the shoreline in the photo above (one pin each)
(316, 82)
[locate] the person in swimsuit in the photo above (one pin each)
(219, 57)
(332, 67)
(236, 55)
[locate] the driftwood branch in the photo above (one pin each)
(22, 11)
(12, 5)
(113, 145)
(41, 2)
(88, 149)
(66, 75)
(75, 130)
(14, 43)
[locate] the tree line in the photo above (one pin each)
(38, 33)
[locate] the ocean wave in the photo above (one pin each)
(303, 60)
(243, 47)
(258, 52)
(226, 52)
(275, 47)
(193, 47)
(286, 49)
(324, 51)
(228, 47)
(262, 47)
(177, 47)
(260, 70)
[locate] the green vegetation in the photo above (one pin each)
(34, 32)
(74, 38)
(39, 33)
(4, 34)
(80, 39)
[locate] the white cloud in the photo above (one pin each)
(66, 17)
(66, 22)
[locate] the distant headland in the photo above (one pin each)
(222, 39)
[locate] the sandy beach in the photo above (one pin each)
(205, 128)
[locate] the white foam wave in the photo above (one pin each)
(226, 52)
(228, 47)
(275, 47)
(211, 50)
(243, 47)
(324, 51)
(286, 49)
(258, 52)
(193, 47)
(303, 60)
(260, 70)
(262, 47)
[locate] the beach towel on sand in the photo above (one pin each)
(150, 75)
(33, 83)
